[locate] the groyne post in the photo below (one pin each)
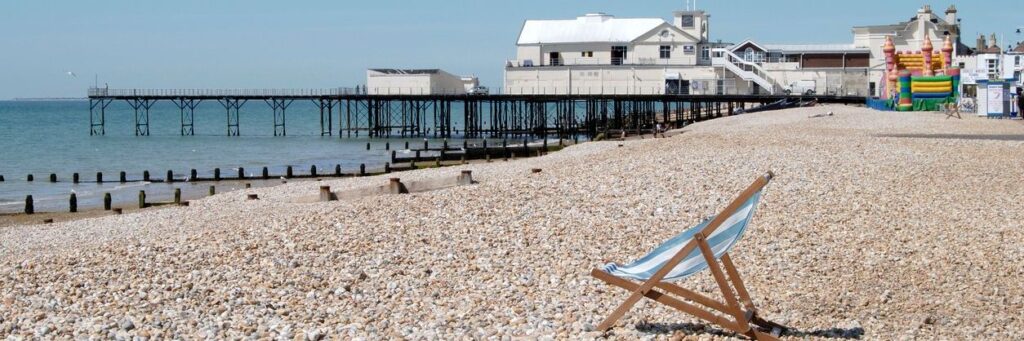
(216, 174)
(73, 203)
(193, 175)
(30, 207)
(177, 196)
(465, 178)
(53, 177)
(312, 170)
(170, 176)
(362, 169)
(142, 199)
(325, 193)
(241, 173)
(395, 186)
(107, 201)
(123, 177)
(213, 190)
(145, 176)
(266, 173)
(74, 178)
(288, 172)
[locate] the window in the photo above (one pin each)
(555, 59)
(686, 21)
(588, 54)
(705, 52)
(993, 69)
(619, 55)
(665, 52)
(689, 49)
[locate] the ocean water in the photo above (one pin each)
(43, 137)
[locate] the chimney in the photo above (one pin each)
(951, 15)
(981, 45)
(995, 43)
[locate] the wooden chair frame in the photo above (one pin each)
(727, 279)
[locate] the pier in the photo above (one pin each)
(347, 113)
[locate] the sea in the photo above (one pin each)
(42, 137)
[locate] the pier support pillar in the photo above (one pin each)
(279, 106)
(232, 106)
(141, 107)
(187, 109)
(98, 116)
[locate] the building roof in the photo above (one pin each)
(590, 28)
(407, 71)
(1019, 48)
(801, 48)
(820, 48)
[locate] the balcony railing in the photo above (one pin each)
(591, 61)
(107, 92)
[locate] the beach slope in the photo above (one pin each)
(877, 226)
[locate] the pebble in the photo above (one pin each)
(859, 236)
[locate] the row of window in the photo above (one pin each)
(664, 51)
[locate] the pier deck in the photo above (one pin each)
(444, 116)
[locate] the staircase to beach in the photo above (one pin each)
(744, 70)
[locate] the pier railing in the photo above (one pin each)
(107, 92)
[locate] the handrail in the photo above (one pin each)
(107, 92)
(732, 56)
(720, 54)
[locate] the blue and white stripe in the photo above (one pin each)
(721, 241)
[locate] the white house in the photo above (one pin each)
(416, 82)
(601, 54)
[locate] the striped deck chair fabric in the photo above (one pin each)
(705, 246)
(721, 241)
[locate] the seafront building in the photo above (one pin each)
(417, 82)
(600, 54)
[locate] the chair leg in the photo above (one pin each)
(734, 277)
(741, 289)
(663, 299)
(754, 334)
(619, 312)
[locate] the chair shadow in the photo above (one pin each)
(699, 328)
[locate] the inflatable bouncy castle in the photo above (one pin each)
(920, 81)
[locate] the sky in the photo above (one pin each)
(325, 44)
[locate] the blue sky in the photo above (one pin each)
(320, 44)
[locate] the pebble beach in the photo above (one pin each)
(877, 226)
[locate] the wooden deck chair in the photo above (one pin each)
(952, 110)
(692, 251)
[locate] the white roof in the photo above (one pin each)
(591, 28)
(814, 48)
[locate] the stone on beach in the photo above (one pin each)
(859, 235)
